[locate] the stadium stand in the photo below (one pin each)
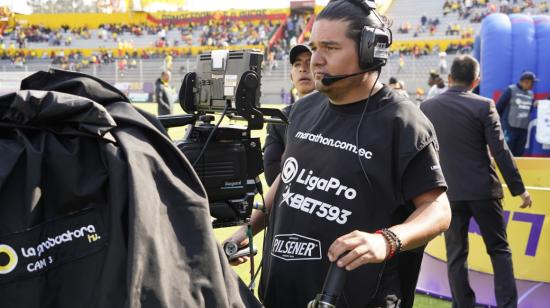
(425, 32)
(452, 18)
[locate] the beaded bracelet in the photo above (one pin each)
(397, 240)
(392, 241)
(389, 243)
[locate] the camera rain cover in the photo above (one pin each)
(98, 208)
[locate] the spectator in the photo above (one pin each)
(398, 86)
(437, 86)
(401, 88)
(401, 66)
(164, 93)
(442, 63)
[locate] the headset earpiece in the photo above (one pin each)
(375, 42)
(374, 47)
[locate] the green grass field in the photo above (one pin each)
(421, 301)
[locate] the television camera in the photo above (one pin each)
(227, 159)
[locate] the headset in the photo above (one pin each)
(375, 42)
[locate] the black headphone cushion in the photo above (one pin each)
(373, 47)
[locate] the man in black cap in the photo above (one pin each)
(302, 79)
(514, 108)
(300, 73)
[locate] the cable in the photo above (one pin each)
(210, 136)
(359, 127)
(253, 278)
(379, 280)
(267, 230)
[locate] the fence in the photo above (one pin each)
(146, 71)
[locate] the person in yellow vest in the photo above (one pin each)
(167, 63)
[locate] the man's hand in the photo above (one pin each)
(362, 248)
(239, 238)
(526, 200)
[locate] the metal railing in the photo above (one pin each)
(414, 73)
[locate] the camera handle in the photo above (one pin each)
(232, 250)
(332, 288)
(245, 98)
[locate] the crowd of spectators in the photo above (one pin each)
(18, 42)
(227, 33)
(473, 11)
(15, 42)
(419, 50)
(211, 33)
(476, 10)
(427, 25)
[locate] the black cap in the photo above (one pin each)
(296, 50)
(528, 76)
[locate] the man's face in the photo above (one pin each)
(300, 74)
(333, 54)
(527, 84)
(166, 77)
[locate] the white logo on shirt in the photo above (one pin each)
(312, 206)
(312, 181)
(294, 247)
(289, 171)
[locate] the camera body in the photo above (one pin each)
(228, 169)
(228, 160)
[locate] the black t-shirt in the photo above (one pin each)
(323, 193)
(274, 148)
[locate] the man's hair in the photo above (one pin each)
(351, 11)
(465, 69)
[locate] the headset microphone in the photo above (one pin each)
(328, 79)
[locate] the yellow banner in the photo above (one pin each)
(90, 20)
(86, 52)
(442, 43)
(93, 20)
(203, 17)
(528, 229)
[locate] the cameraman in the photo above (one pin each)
(302, 80)
(357, 155)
